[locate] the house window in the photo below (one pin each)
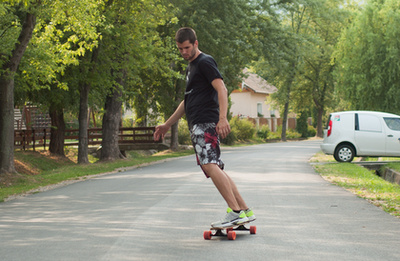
(259, 110)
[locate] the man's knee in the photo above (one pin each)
(210, 169)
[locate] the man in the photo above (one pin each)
(206, 108)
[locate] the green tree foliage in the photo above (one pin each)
(281, 65)
(302, 125)
(57, 46)
(368, 71)
(225, 31)
(315, 80)
(109, 52)
(300, 65)
(22, 24)
(64, 32)
(41, 39)
(130, 61)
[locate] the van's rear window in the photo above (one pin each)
(393, 123)
(327, 123)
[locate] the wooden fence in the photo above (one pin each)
(27, 139)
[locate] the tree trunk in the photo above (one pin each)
(84, 91)
(83, 124)
(7, 126)
(57, 132)
(174, 137)
(111, 122)
(7, 96)
(179, 87)
(286, 108)
(287, 101)
(284, 121)
(320, 104)
(320, 132)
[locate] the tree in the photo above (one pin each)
(40, 27)
(129, 45)
(280, 65)
(300, 63)
(10, 58)
(170, 90)
(86, 71)
(368, 71)
(66, 30)
(224, 31)
(316, 80)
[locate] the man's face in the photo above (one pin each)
(188, 50)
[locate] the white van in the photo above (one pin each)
(361, 133)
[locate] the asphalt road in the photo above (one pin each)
(159, 212)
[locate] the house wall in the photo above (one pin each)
(245, 104)
(241, 102)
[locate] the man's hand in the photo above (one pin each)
(223, 128)
(160, 132)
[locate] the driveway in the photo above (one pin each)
(159, 212)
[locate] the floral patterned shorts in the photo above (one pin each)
(206, 144)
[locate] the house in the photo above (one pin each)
(250, 101)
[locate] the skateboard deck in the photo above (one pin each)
(230, 232)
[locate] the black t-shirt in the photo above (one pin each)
(201, 99)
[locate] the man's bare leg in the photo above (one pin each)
(242, 204)
(225, 186)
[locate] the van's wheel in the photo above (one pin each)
(344, 153)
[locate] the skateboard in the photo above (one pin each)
(230, 231)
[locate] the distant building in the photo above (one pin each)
(250, 101)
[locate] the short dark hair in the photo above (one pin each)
(184, 34)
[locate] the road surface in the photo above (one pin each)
(159, 212)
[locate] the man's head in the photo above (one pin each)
(185, 34)
(187, 43)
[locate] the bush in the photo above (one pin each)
(274, 135)
(302, 125)
(262, 132)
(243, 129)
(277, 135)
(311, 131)
(230, 139)
(292, 134)
(183, 133)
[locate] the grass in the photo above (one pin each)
(39, 169)
(361, 181)
(394, 166)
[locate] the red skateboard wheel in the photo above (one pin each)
(231, 235)
(253, 229)
(207, 235)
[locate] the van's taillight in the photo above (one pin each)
(329, 128)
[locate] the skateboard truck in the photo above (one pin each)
(230, 231)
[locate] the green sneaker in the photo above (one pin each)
(231, 218)
(250, 215)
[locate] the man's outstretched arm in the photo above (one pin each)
(162, 129)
